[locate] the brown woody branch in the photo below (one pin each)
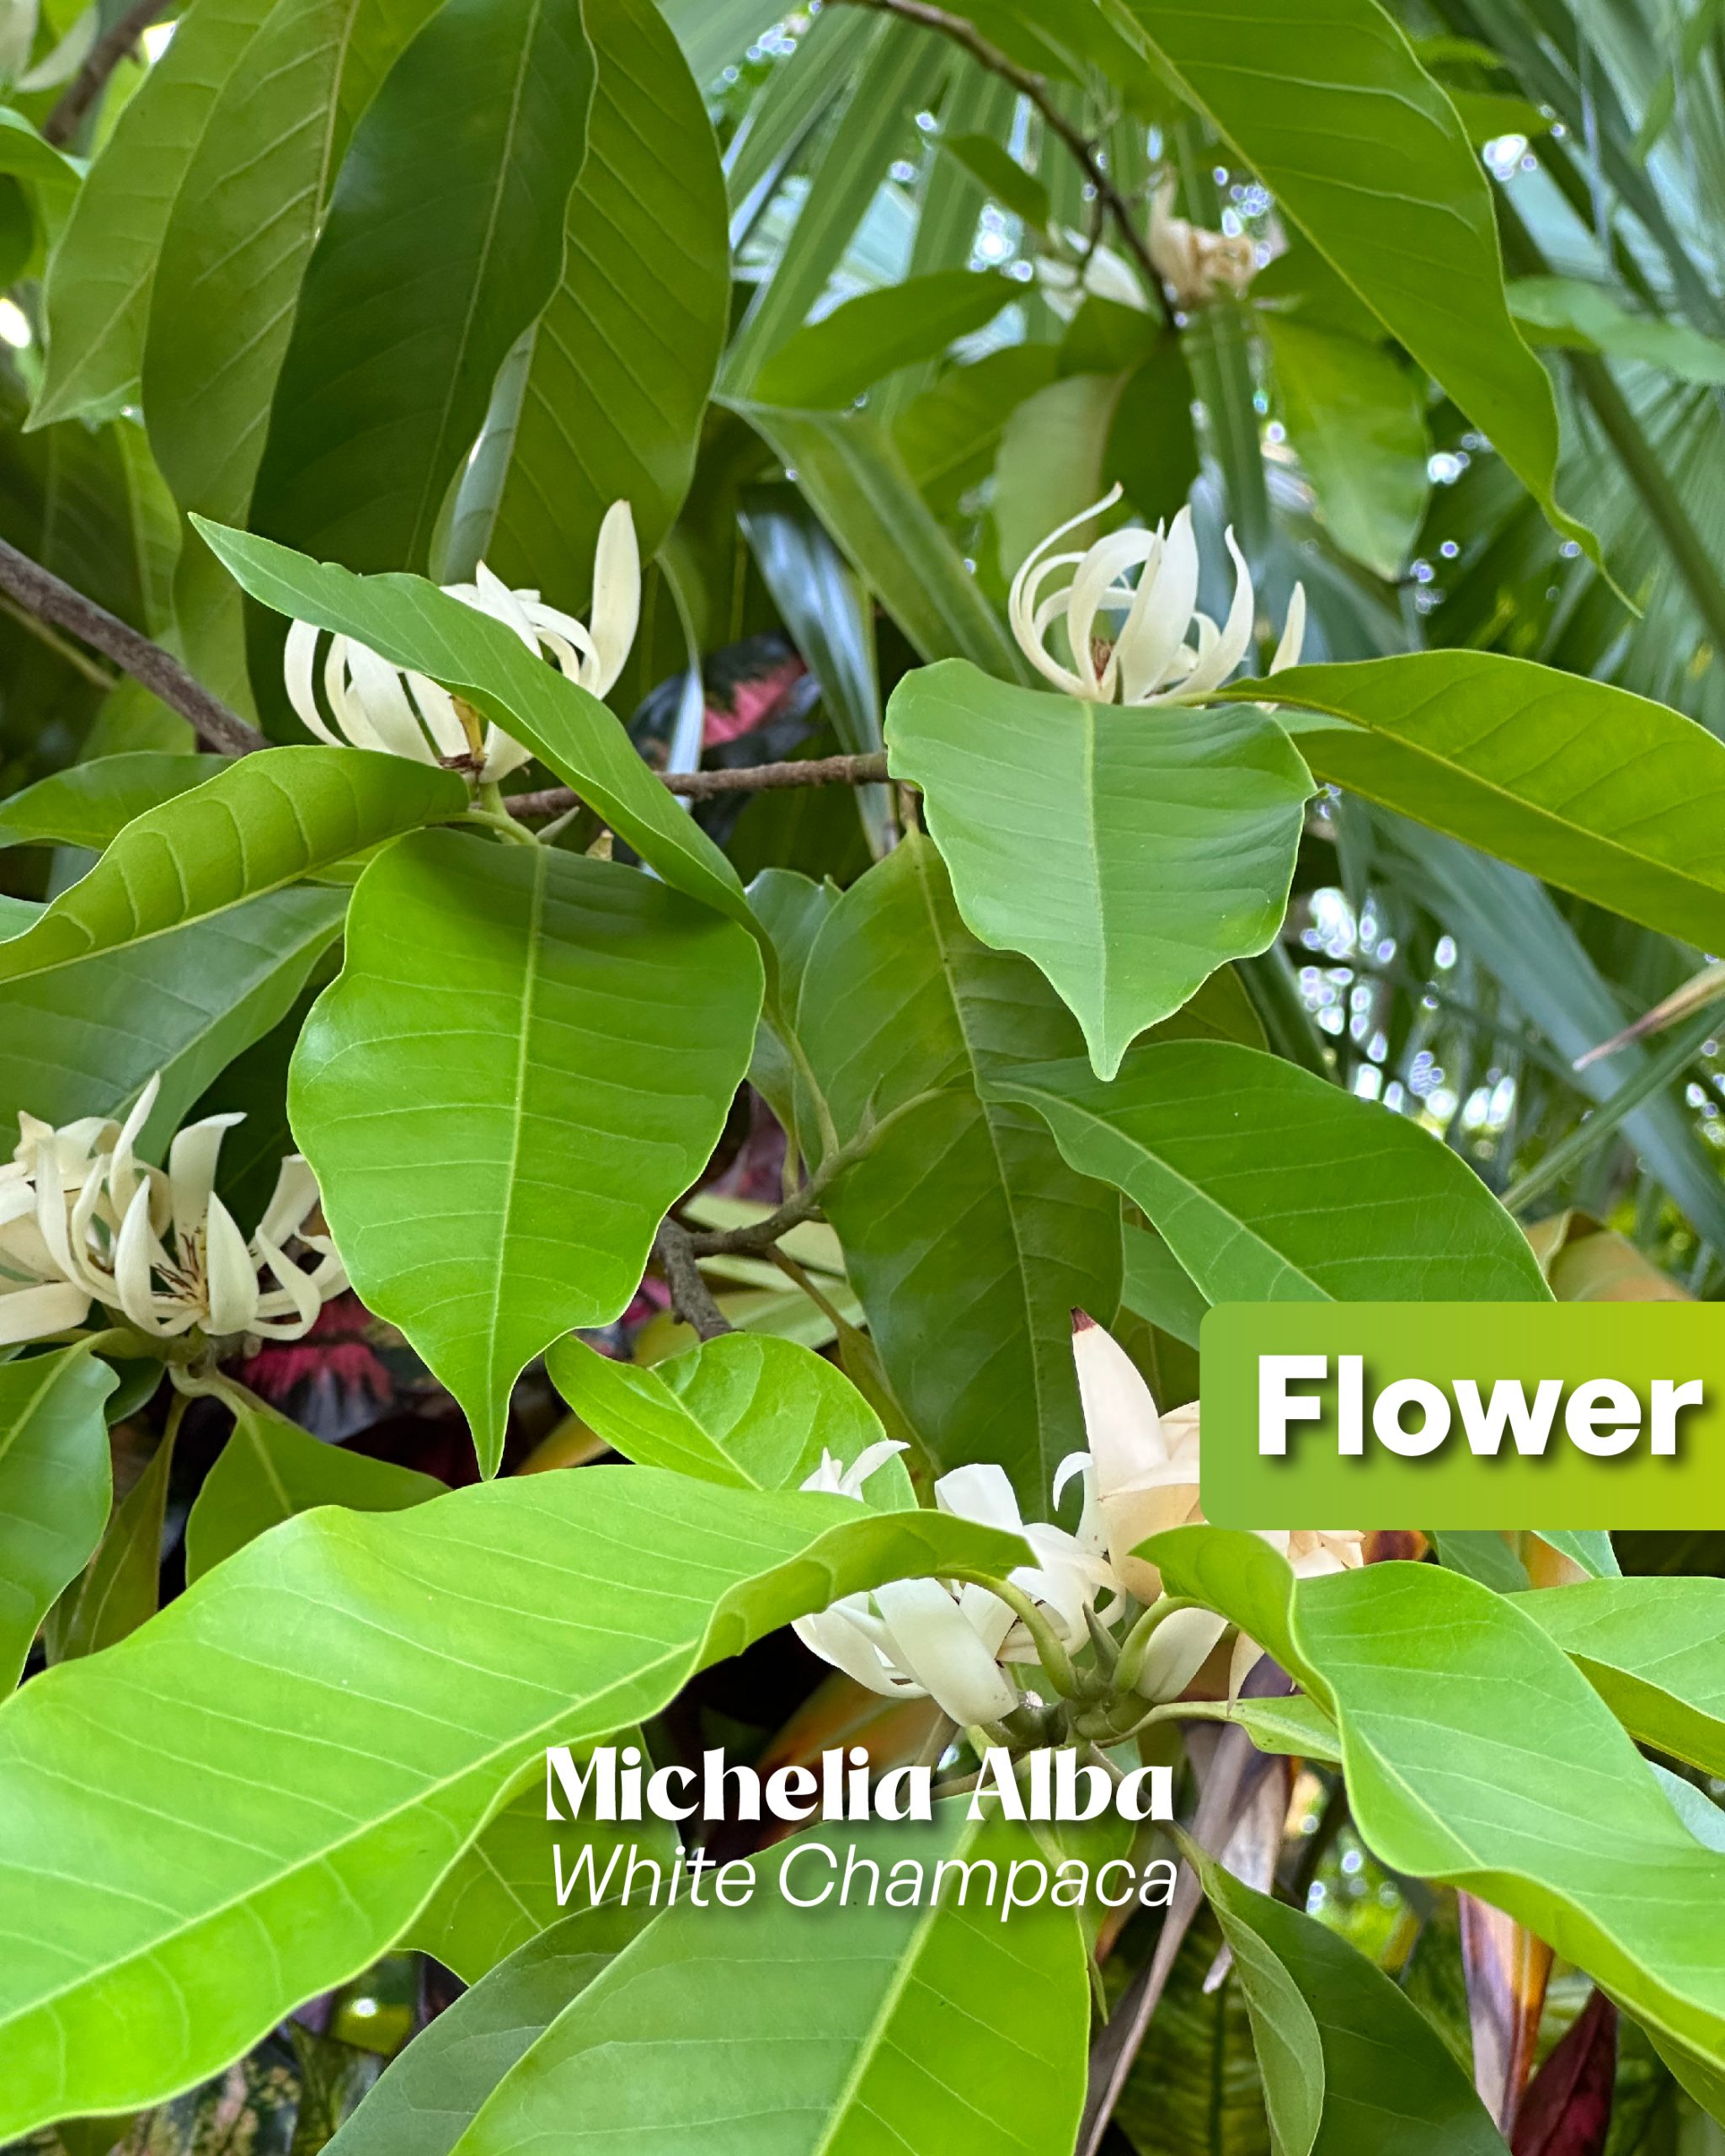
(690, 1298)
(43, 594)
(104, 57)
(703, 786)
(1034, 87)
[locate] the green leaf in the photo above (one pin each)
(90, 804)
(122, 1587)
(857, 483)
(1569, 312)
(1327, 2021)
(1296, 1727)
(430, 2091)
(54, 1487)
(967, 1238)
(502, 1890)
(451, 200)
(191, 999)
(432, 1653)
(948, 437)
(937, 2028)
(98, 293)
(1514, 1779)
(622, 360)
(1366, 106)
(1355, 415)
(271, 1469)
(745, 1410)
(1128, 854)
(833, 360)
(1052, 453)
(1482, 1556)
(1234, 1157)
(1596, 790)
(1590, 1547)
(411, 623)
(261, 824)
(528, 1057)
(1650, 1648)
(1001, 174)
(239, 236)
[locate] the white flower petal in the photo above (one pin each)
(617, 596)
(1149, 644)
(1215, 664)
(932, 1642)
(1293, 641)
(230, 1274)
(28, 1313)
(299, 665)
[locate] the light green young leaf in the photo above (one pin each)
(1127, 853)
(434, 1653)
(1651, 1649)
(938, 2028)
(1569, 311)
(1514, 1779)
(430, 2091)
(271, 1469)
(411, 623)
(90, 804)
(1355, 415)
(1600, 792)
(948, 437)
(1366, 106)
(745, 1409)
(1590, 1547)
(54, 1487)
(611, 402)
(1326, 2021)
(1234, 1157)
(259, 825)
(443, 241)
(97, 296)
(501, 1893)
(529, 1056)
(832, 361)
(963, 1205)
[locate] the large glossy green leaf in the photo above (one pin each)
(502, 1890)
(608, 402)
(1513, 1780)
(1355, 414)
(84, 1037)
(528, 1057)
(1651, 1649)
(54, 1485)
(412, 623)
(831, 361)
(744, 1409)
(271, 1469)
(261, 824)
(820, 2032)
(1327, 2024)
(98, 294)
(1127, 853)
(398, 1671)
(968, 1239)
(1596, 790)
(90, 804)
(1340, 121)
(443, 241)
(431, 2091)
(857, 483)
(1237, 1158)
(238, 237)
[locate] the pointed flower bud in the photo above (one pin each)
(1164, 651)
(373, 705)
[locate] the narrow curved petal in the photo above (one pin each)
(192, 1172)
(932, 1642)
(983, 1492)
(439, 717)
(1120, 1418)
(28, 1313)
(1179, 1648)
(292, 1199)
(1027, 622)
(1293, 641)
(617, 596)
(377, 703)
(299, 674)
(135, 1252)
(1097, 589)
(289, 1312)
(1150, 643)
(230, 1275)
(835, 1639)
(1218, 661)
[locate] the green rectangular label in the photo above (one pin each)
(1464, 1415)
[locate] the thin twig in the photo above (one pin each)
(702, 786)
(45, 596)
(690, 1298)
(104, 57)
(1035, 87)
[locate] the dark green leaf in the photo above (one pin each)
(54, 1487)
(832, 361)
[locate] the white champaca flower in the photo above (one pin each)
(373, 705)
(1164, 651)
(1141, 1477)
(83, 1221)
(1195, 263)
(950, 1641)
